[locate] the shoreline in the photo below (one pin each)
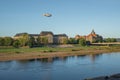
(39, 55)
(108, 77)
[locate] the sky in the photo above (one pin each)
(71, 17)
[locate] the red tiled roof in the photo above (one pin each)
(93, 35)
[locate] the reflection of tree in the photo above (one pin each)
(23, 61)
(44, 60)
(81, 56)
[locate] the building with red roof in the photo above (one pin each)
(92, 37)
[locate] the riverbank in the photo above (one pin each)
(46, 52)
(110, 77)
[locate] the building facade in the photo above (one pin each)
(20, 35)
(45, 37)
(92, 37)
(60, 38)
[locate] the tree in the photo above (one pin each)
(8, 41)
(82, 42)
(113, 40)
(24, 40)
(31, 42)
(72, 41)
(98, 39)
(2, 41)
(110, 40)
(44, 40)
(16, 44)
(65, 41)
(39, 40)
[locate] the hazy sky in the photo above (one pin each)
(68, 16)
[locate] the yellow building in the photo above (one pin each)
(46, 37)
(92, 37)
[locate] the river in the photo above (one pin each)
(61, 68)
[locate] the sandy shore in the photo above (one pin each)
(31, 55)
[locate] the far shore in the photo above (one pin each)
(59, 53)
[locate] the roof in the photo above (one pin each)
(77, 36)
(60, 35)
(93, 35)
(93, 32)
(33, 34)
(20, 34)
(43, 33)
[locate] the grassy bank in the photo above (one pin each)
(11, 53)
(50, 49)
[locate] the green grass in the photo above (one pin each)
(50, 49)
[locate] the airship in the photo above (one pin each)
(47, 15)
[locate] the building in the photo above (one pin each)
(92, 37)
(35, 36)
(45, 37)
(20, 35)
(60, 38)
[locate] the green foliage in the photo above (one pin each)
(82, 42)
(39, 40)
(65, 41)
(16, 44)
(110, 40)
(99, 39)
(8, 41)
(72, 41)
(24, 40)
(44, 40)
(31, 42)
(2, 41)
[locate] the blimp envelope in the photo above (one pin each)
(47, 14)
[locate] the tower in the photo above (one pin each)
(93, 32)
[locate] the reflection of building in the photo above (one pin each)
(92, 37)
(47, 36)
(94, 57)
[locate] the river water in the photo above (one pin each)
(61, 68)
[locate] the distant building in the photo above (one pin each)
(46, 37)
(35, 36)
(20, 35)
(60, 38)
(92, 37)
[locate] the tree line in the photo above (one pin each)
(30, 41)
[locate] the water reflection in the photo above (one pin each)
(93, 58)
(75, 67)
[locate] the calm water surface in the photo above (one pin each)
(61, 68)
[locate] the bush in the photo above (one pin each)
(82, 42)
(16, 44)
